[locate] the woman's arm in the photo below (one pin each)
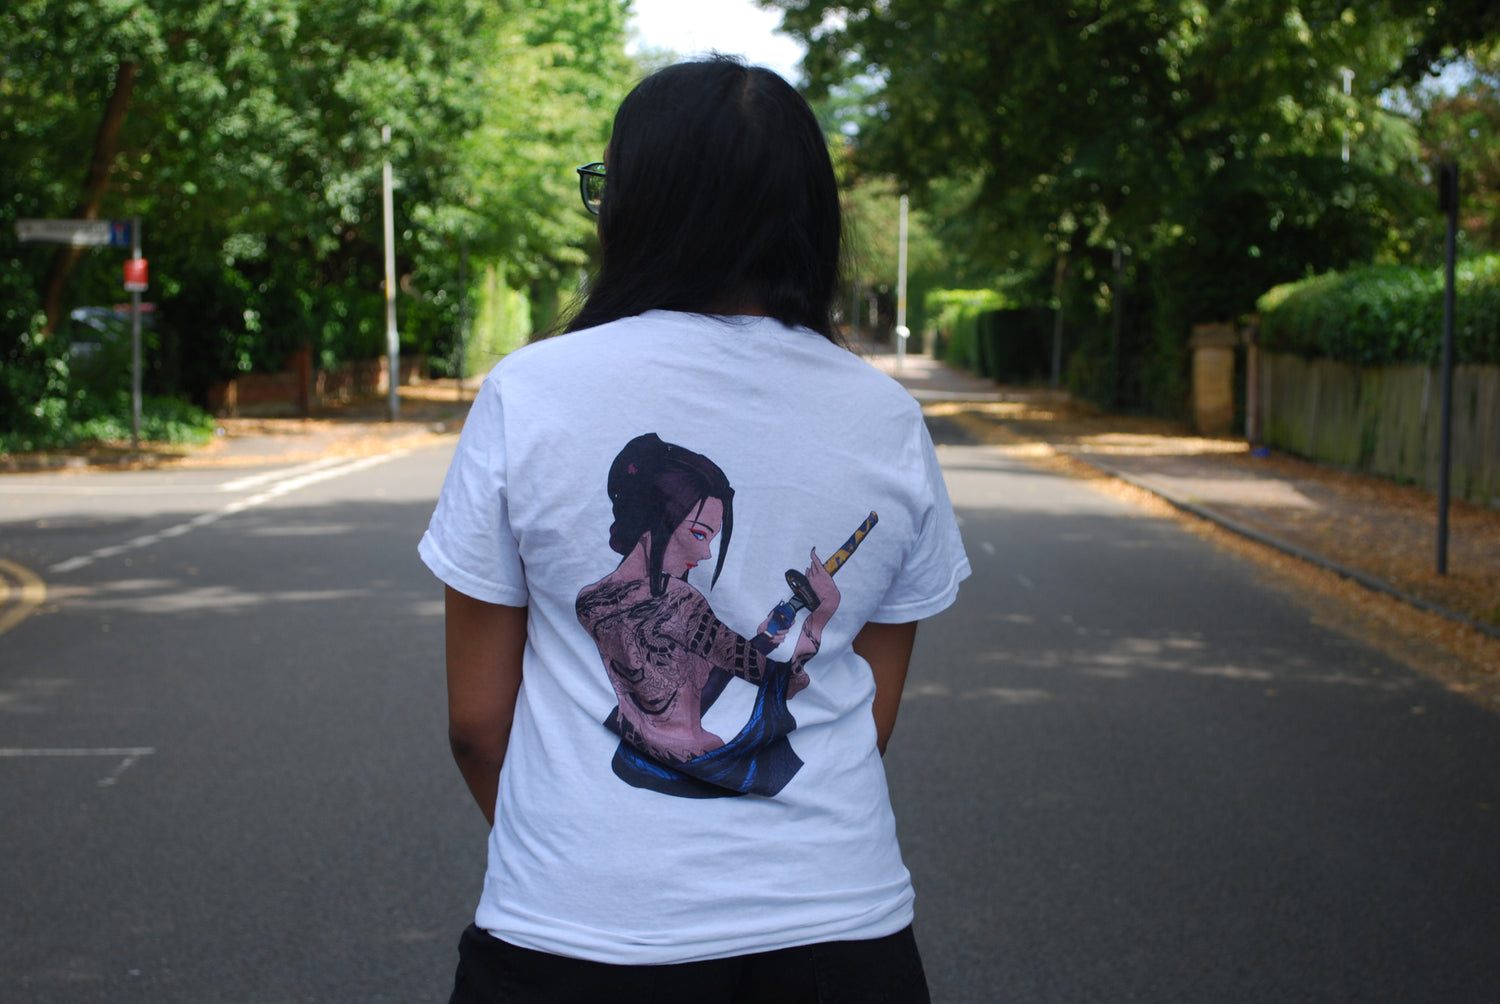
(887, 648)
(485, 644)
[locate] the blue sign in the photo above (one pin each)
(119, 233)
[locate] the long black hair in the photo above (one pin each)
(654, 486)
(719, 198)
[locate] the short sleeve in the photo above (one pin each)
(469, 543)
(928, 580)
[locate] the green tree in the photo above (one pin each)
(1205, 140)
(1463, 127)
(250, 144)
(557, 72)
(1446, 30)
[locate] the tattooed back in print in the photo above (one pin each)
(667, 655)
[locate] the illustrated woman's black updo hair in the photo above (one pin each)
(653, 487)
(719, 198)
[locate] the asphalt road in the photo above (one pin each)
(1127, 769)
(289, 826)
(1130, 770)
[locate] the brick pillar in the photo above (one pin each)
(1213, 378)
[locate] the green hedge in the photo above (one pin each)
(1386, 315)
(953, 315)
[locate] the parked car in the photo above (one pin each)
(98, 349)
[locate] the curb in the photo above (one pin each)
(42, 463)
(1259, 536)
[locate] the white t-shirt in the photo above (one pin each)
(605, 846)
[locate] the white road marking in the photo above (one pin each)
(1023, 580)
(98, 491)
(294, 478)
(250, 481)
(129, 751)
(128, 756)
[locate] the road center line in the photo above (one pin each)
(295, 478)
(252, 480)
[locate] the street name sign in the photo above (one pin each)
(78, 233)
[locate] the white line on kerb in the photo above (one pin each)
(293, 479)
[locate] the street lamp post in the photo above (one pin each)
(902, 332)
(135, 339)
(392, 340)
(1348, 76)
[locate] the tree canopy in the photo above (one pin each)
(247, 136)
(1462, 126)
(1120, 123)
(1222, 147)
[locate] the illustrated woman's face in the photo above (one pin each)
(690, 542)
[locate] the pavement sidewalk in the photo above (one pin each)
(1374, 532)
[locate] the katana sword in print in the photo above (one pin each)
(803, 597)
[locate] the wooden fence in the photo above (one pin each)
(1385, 421)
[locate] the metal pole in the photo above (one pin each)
(1448, 198)
(1116, 303)
(902, 332)
(463, 309)
(135, 342)
(392, 340)
(1057, 320)
(1348, 75)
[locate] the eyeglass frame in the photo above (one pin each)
(585, 175)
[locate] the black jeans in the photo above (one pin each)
(881, 971)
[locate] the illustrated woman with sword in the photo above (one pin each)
(669, 656)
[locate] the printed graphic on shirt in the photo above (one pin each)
(667, 654)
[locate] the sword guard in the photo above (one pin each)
(802, 590)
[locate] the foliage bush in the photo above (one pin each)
(1386, 315)
(43, 406)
